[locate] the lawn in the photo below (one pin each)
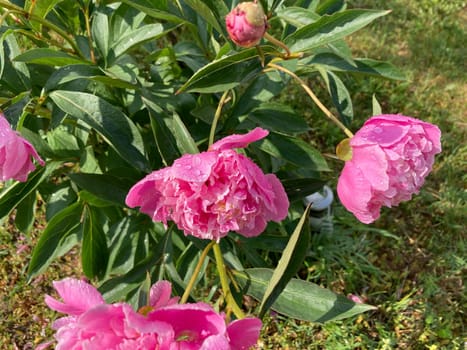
(411, 263)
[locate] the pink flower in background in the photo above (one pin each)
(246, 24)
(213, 192)
(93, 324)
(15, 154)
(391, 156)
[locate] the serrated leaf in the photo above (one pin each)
(289, 263)
(112, 124)
(59, 236)
(330, 28)
(48, 57)
(300, 299)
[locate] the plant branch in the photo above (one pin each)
(191, 283)
(277, 42)
(217, 115)
(231, 303)
(88, 31)
(16, 9)
(315, 99)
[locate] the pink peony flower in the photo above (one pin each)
(213, 192)
(93, 324)
(15, 154)
(246, 24)
(391, 156)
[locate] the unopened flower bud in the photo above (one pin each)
(246, 24)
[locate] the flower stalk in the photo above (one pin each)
(217, 116)
(191, 283)
(231, 303)
(314, 98)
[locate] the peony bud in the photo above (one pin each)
(246, 24)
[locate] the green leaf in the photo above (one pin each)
(330, 28)
(367, 66)
(16, 193)
(377, 110)
(297, 189)
(60, 235)
(112, 124)
(205, 11)
(262, 89)
(14, 75)
(289, 263)
(278, 117)
(48, 57)
(144, 292)
(137, 37)
(100, 33)
(185, 141)
(165, 140)
(340, 96)
(300, 299)
(154, 8)
(69, 73)
(94, 251)
(128, 244)
(60, 199)
(104, 186)
(39, 9)
(297, 16)
(25, 213)
(293, 150)
(225, 73)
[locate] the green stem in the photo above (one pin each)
(231, 303)
(277, 42)
(222, 101)
(16, 9)
(88, 31)
(195, 274)
(315, 99)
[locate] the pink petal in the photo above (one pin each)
(239, 141)
(244, 333)
(354, 192)
(217, 342)
(194, 167)
(78, 296)
(159, 295)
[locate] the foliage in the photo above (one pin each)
(109, 92)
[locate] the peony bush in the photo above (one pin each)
(157, 138)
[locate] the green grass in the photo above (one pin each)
(412, 265)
